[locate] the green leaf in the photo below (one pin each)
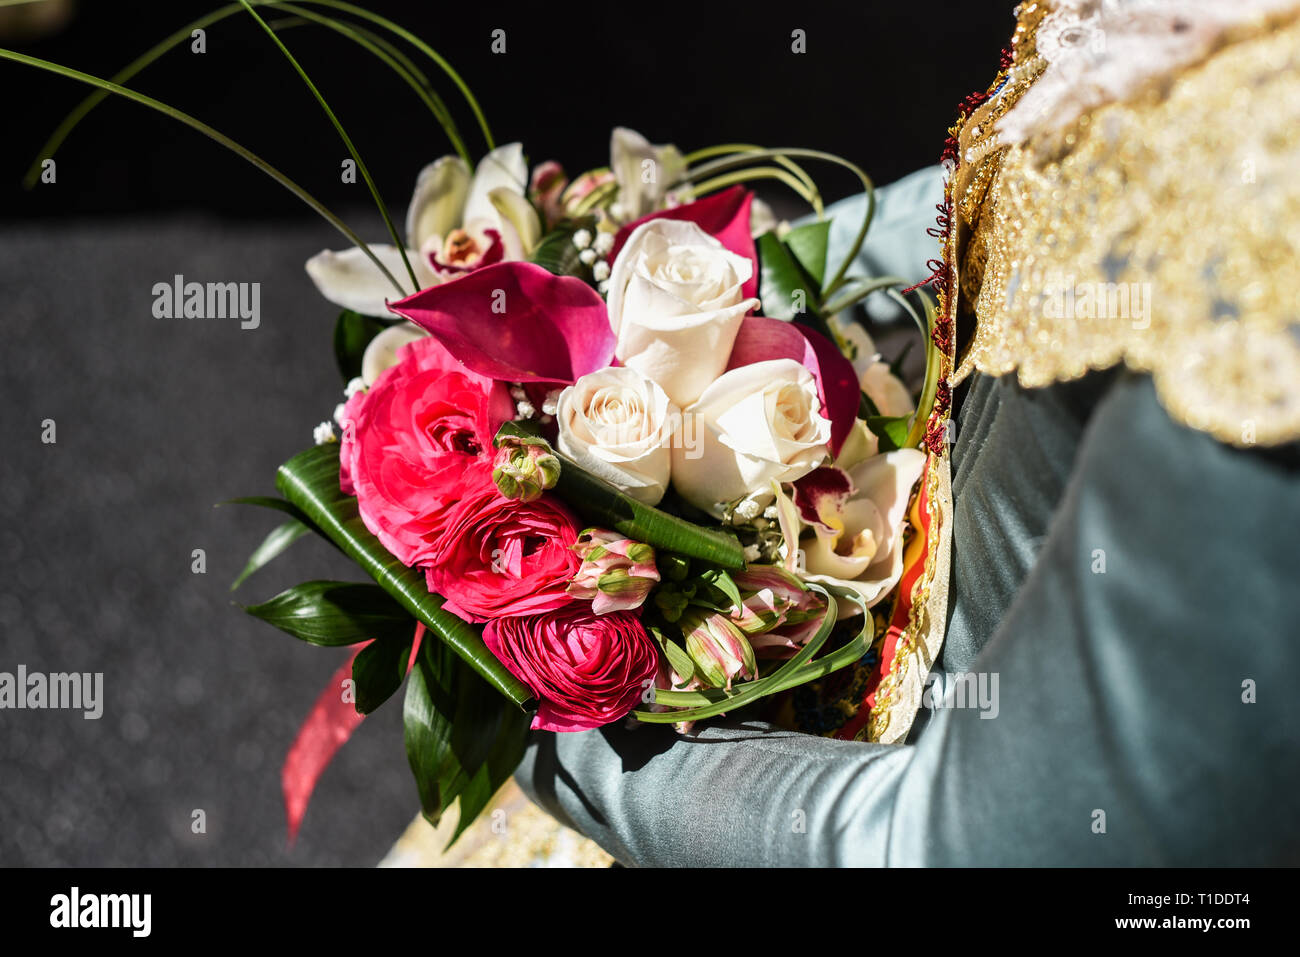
(332, 613)
(310, 480)
(380, 667)
(890, 429)
(280, 538)
(600, 503)
(556, 252)
(721, 581)
(677, 657)
(509, 737)
(426, 719)
(352, 333)
(781, 282)
(808, 244)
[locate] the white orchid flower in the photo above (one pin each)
(455, 223)
(643, 173)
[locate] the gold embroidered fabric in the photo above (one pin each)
(1160, 231)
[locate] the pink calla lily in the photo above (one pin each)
(724, 216)
(760, 339)
(516, 322)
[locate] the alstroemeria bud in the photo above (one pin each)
(719, 649)
(616, 573)
(525, 468)
(771, 597)
(545, 189)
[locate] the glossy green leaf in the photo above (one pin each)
(600, 503)
(427, 721)
(279, 538)
(380, 667)
(310, 480)
(785, 291)
(808, 244)
(891, 430)
(352, 333)
(332, 613)
(507, 737)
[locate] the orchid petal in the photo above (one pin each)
(349, 279)
(504, 168)
(517, 322)
(439, 200)
(516, 211)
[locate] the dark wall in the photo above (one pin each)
(878, 84)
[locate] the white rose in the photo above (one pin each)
(618, 425)
(858, 542)
(676, 304)
(755, 424)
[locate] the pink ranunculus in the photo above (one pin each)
(409, 440)
(724, 216)
(586, 669)
(502, 557)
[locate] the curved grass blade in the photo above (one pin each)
(310, 480)
(698, 705)
(602, 504)
(347, 141)
(732, 162)
(424, 48)
(211, 133)
(82, 109)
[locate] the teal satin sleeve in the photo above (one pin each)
(1144, 713)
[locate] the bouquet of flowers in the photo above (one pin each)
(609, 448)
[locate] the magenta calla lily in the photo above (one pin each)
(724, 216)
(761, 339)
(516, 322)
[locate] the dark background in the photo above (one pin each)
(157, 420)
(879, 84)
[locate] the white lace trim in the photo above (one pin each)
(1101, 51)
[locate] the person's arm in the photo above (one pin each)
(1152, 699)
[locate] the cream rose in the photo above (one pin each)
(619, 425)
(676, 304)
(754, 425)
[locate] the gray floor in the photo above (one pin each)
(157, 420)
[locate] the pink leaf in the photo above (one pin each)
(516, 322)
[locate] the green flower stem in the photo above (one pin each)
(868, 287)
(212, 134)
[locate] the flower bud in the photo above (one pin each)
(546, 188)
(719, 649)
(772, 597)
(524, 468)
(616, 573)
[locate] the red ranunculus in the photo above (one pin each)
(500, 556)
(586, 669)
(409, 441)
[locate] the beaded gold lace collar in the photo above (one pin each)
(1159, 229)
